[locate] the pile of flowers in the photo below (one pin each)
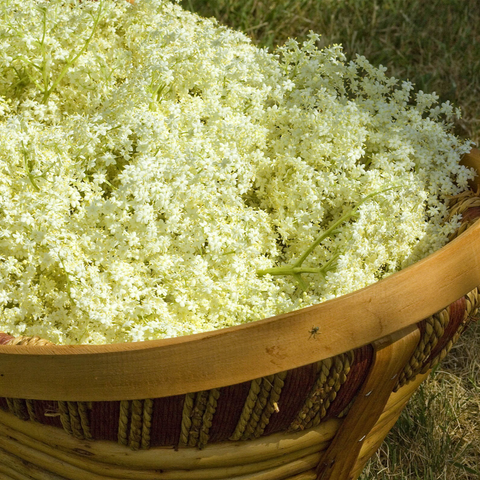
(162, 176)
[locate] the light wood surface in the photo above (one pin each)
(58, 444)
(224, 357)
(391, 354)
(387, 420)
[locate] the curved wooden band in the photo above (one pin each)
(209, 360)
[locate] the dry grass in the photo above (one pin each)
(436, 45)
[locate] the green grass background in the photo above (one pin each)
(436, 45)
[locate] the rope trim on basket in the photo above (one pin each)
(466, 204)
(18, 407)
(432, 330)
(332, 375)
(31, 410)
(197, 416)
(433, 348)
(260, 404)
(210, 409)
(147, 423)
(25, 340)
(75, 419)
(123, 422)
(135, 423)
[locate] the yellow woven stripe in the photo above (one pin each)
(277, 385)
(123, 422)
(434, 330)
(65, 417)
(147, 423)
(459, 205)
(472, 303)
(20, 408)
(136, 422)
(304, 416)
(10, 405)
(75, 423)
(341, 368)
(210, 409)
(31, 410)
(332, 375)
(17, 407)
(84, 419)
(186, 418)
(263, 394)
(247, 409)
(326, 394)
(201, 399)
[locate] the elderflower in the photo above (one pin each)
(156, 168)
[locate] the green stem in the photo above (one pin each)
(350, 213)
(288, 270)
(45, 67)
(27, 168)
(70, 62)
(296, 268)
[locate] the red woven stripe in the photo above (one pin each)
(104, 420)
(298, 384)
(166, 421)
(229, 408)
(5, 338)
(355, 379)
(47, 413)
(471, 214)
(456, 313)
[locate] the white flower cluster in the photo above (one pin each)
(155, 167)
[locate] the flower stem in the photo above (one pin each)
(71, 61)
(296, 268)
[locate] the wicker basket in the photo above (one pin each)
(306, 395)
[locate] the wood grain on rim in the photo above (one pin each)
(193, 363)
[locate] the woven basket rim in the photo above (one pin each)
(265, 347)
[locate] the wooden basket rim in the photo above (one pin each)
(233, 355)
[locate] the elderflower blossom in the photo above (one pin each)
(152, 163)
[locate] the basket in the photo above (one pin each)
(307, 395)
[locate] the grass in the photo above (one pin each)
(436, 45)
